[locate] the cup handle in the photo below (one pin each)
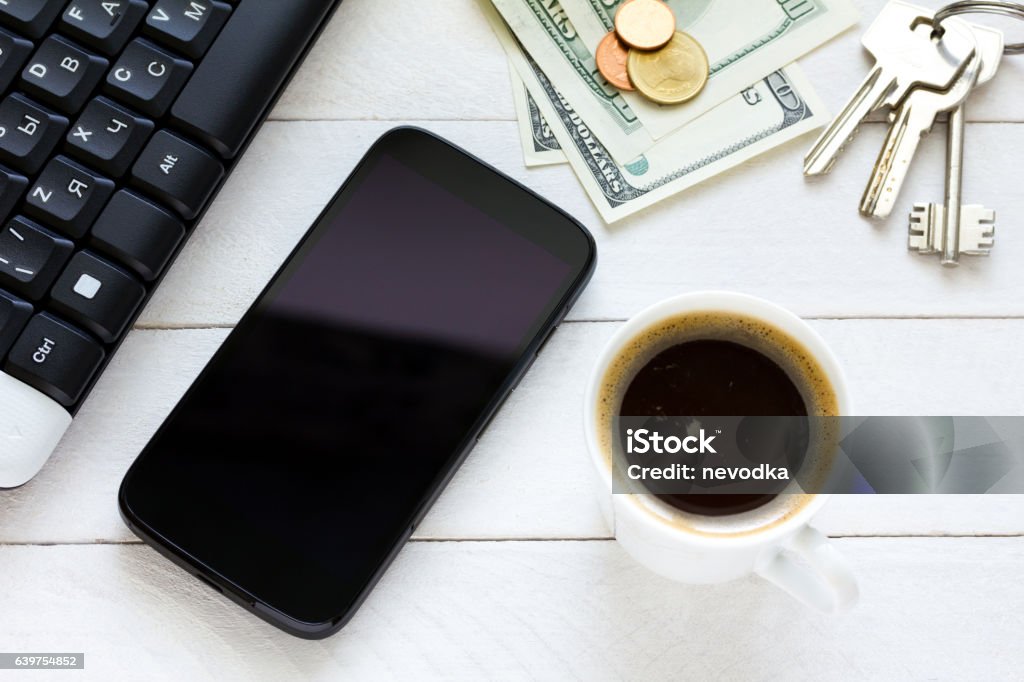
(809, 568)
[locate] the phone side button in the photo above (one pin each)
(544, 343)
(209, 583)
(518, 380)
(487, 425)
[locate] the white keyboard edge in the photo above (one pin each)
(31, 425)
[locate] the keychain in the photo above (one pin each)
(926, 64)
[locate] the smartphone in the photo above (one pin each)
(305, 454)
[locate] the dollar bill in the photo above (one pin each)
(776, 109)
(540, 146)
(744, 44)
(544, 30)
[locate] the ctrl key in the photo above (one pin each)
(55, 358)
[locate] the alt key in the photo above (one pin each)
(55, 358)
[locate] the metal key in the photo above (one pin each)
(952, 228)
(914, 119)
(907, 56)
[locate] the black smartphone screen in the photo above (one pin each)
(304, 453)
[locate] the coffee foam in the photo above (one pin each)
(792, 356)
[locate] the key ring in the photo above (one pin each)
(1006, 9)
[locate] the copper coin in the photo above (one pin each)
(611, 57)
(645, 24)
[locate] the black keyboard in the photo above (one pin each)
(119, 122)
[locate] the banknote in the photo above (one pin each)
(772, 111)
(743, 46)
(544, 30)
(746, 46)
(540, 147)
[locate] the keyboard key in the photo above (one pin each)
(13, 53)
(147, 78)
(138, 233)
(62, 75)
(178, 173)
(102, 24)
(31, 257)
(97, 295)
(14, 313)
(243, 70)
(187, 26)
(203, 71)
(108, 137)
(55, 358)
(28, 133)
(68, 197)
(30, 17)
(12, 186)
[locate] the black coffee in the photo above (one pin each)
(709, 378)
(715, 364)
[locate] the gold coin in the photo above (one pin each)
(645, 24)
(611, 56)
(675, 73)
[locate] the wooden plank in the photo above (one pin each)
(353, 72)
(402, 60)
(760, 229)
(529, 477)
(929, 609)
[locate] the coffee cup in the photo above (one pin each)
(774, 539)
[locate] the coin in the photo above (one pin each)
(645, 24)
(675, 73)
(611, 56)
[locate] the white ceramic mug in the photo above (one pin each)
(785, 550)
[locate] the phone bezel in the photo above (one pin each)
(536, 217)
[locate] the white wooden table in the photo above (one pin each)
(514, 573)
